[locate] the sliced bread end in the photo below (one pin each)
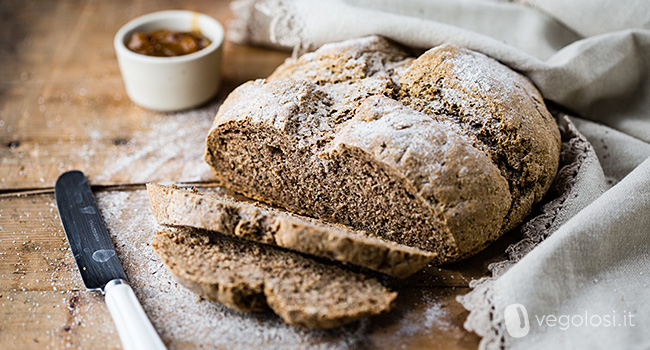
(247, 276)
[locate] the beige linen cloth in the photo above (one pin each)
(581, 273)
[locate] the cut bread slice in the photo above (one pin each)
(248, 276)
(175, 206)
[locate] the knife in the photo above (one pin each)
(97, 262)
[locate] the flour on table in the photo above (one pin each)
(169, 147)
(184, 321)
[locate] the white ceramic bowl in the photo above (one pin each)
(171, 83)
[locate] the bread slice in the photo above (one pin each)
(249, 276)
(175, 206)
(443, 152)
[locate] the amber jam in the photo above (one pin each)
(166, 43)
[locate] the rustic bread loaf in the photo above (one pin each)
(444, 152)
(248, 276)
(179, 207)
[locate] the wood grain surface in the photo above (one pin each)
(63, 107)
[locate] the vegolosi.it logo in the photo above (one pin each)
(518, 323)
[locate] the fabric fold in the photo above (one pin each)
(586, 252)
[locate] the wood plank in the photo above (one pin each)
(34, 254)
(38, 278)
(55, 320)
(79, 319)
(63, 105)
(32, 222)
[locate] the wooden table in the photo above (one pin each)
(63, 107)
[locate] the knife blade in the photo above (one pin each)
(84, 227)
(98, 263)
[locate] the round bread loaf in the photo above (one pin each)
(443, 152)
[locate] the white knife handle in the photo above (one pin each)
(133, 326)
